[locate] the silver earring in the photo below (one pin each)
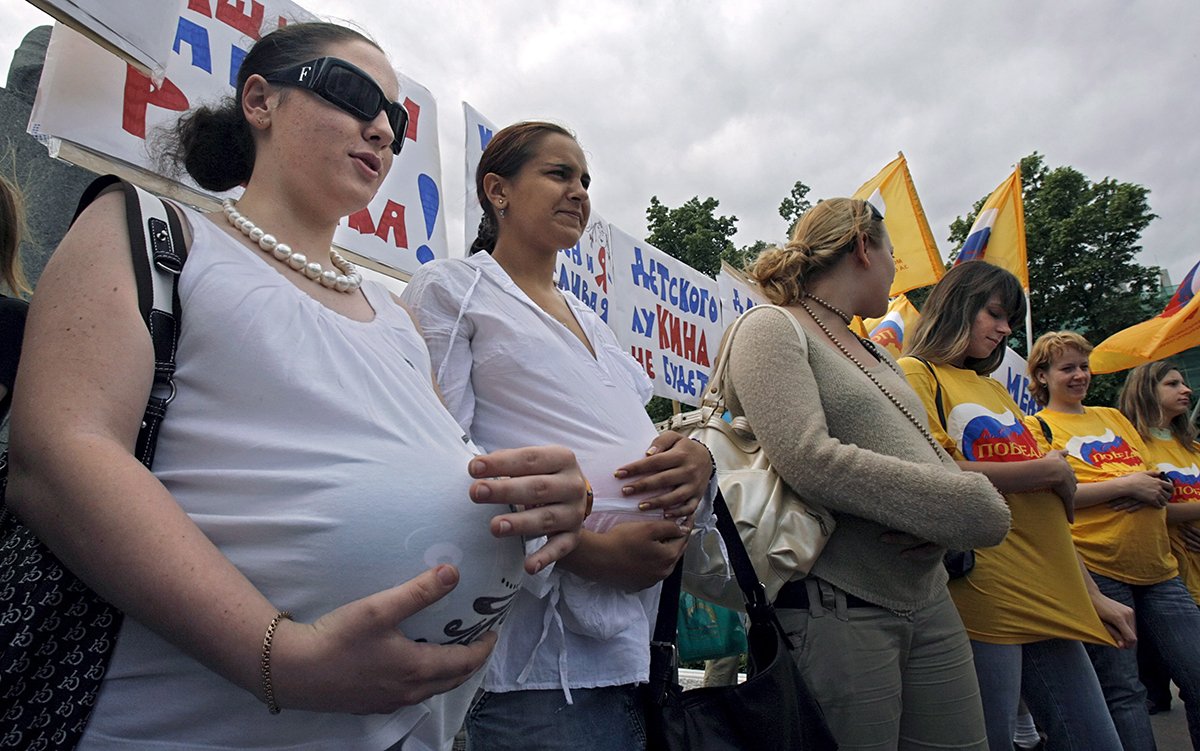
(503, 212)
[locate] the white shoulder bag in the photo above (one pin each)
(782, 533)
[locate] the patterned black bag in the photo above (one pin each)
(57, 635)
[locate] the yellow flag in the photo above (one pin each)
(998, 234)
(918, 263)
(888, 332)
(1170, 332)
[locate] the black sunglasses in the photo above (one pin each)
(348, 88)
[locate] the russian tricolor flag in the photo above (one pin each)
(1170, 332)
(977, 241)
(1187, 290)
(998, 234)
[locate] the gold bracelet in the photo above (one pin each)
(268, 689)
(591, 499)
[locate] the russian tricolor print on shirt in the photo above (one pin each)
(986, 436)
(1185, 479)
(1098, 450)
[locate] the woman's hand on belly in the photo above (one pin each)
(677, 467)
(547, 483)
(355, 659)
(631, 556)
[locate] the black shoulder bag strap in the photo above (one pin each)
(156, 241)
(54, 655)
(663, 654)
(1046, 430)
(937, 397)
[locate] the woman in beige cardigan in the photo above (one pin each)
(879, 641)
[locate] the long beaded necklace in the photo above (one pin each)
(836, 311)
(870, 345)
(348, 281)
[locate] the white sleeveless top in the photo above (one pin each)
(312, 449)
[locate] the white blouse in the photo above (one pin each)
(513, 376)
(313, 451)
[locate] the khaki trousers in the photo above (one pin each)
(888, 681)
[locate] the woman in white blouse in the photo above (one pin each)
(521, 363)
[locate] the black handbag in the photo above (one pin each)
(772, 709)
(56, 634)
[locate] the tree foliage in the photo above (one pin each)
(742, 257)
(693, 232)
(793, 206)
(1082, 239)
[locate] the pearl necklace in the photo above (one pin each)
(870, 345)
(348, 281)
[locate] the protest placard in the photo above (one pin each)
(666, 314)
(479, 132)
(1014, 374)
(738, 293)
(136, 30)
(101, 104)
(583, 270)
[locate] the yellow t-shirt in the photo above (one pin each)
(1029, 587)
(1169, 456)
(1103, 445)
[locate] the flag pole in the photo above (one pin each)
(1028, 326)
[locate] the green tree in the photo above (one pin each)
(693, 232)
(742, 257)
(696, 235)
(794, 205)
(1082, 240)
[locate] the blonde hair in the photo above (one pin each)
(824, 234)
(1139, 402)
(1047, 347)
(12, 228)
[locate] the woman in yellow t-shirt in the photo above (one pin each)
(1156, 400)
(1026, 604)
(1120, 531)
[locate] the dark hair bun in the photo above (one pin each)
(216, 146)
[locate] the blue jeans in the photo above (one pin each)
(600, 719)
(1169, 619)
(1058, 684)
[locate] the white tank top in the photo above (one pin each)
(312, 450)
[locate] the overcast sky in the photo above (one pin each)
(738, 100)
